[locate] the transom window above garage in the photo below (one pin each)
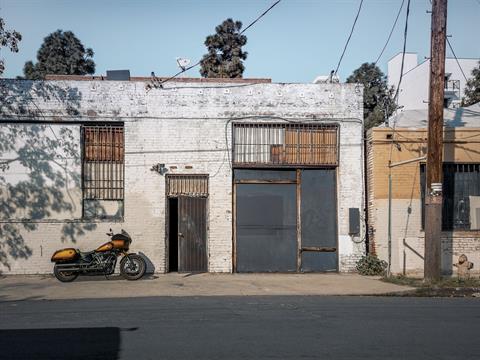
(285, 145)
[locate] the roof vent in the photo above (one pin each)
(118, 75)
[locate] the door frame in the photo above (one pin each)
(167, 217)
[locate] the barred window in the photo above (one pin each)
(461, 196)
(285, 145)
(103, 170)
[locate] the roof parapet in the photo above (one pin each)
(145, 78)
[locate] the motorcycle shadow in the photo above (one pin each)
(114, 277)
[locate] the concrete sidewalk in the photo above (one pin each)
(43, 287)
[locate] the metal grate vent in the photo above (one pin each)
(187, 185)
(288, 145)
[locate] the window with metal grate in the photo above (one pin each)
(461, 196)
(285, 145)
(103, 170)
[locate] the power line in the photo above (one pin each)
(403, 53)
(260, 16)
(349, 37)
(455, 56)
(453, 52)
(391, 32)
(400, 79)
(160, 83)
(396, 143)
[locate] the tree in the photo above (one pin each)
(472, 88)
(61, 53)
(378, 102)
(225, 55)
(8, 39)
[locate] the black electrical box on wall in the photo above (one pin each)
(354, 221)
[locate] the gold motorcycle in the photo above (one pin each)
(71, 262)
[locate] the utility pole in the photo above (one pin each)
(433, 193)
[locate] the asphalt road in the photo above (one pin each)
(241, 328)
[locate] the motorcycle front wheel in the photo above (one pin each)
(132, 267)
(64, 276)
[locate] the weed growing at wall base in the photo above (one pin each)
(371, 265)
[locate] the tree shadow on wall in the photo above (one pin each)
(38, 165)
(28, 100)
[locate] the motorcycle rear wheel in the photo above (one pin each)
(132, 267)
(64, 276)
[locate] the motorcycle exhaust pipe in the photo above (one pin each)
(72, 267)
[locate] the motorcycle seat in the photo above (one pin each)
(86, 253)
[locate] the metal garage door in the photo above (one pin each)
(285, 220)
(318, 220)
(266, 234)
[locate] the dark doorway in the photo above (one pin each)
(187, 222)
(172, 234)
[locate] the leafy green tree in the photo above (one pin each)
(8, 39)
(472, 88)
(61, 53)
(225, 55)
(378, 102)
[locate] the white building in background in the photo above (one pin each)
(415, 82)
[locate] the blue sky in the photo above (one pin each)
(295, 42)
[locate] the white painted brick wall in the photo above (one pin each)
(185, 125)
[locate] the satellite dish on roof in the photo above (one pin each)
(182, 63)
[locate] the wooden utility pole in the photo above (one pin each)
(433, 193)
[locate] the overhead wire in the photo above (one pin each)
(260, 16)
(453, 52)
(391, 32)
(405, 32)
(349, 37)
(160, 83)
(456, 59)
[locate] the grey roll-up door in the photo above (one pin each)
(266, 228)
(192, 234)
(319, 220)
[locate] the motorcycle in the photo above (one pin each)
(70, 262)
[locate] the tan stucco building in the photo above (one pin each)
(403, 147)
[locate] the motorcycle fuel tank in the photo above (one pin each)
(120, 244)
(105, 247)
(68, 254)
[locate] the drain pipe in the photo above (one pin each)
(389, 219)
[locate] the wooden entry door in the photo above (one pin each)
(192, 234)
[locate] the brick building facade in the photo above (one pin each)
(54, 194)
(404, 148)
